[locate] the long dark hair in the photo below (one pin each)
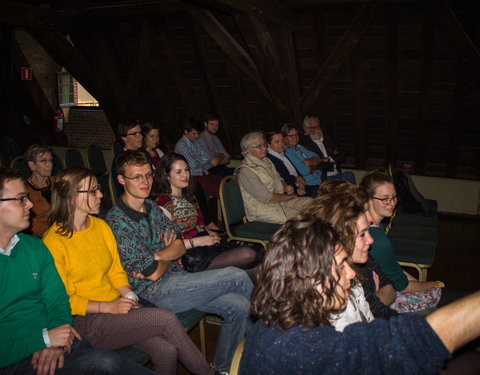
(298, 260)
(161, 184)
(63, 195)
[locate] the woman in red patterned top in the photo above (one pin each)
(173, 193)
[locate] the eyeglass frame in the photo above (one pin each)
(388, 200)
(134, 133)
(139, 177)
(24, 199)
(263, 145)
(91, 191)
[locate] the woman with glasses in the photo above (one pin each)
(173, 192)
(265, 195)
(39, 186)
(106, 309)
(412, 294)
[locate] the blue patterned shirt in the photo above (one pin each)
(197, 158)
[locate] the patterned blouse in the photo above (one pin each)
(188, 217)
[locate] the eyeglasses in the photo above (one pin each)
(263, 145)
(45, 161)
(139, 177)
(313, 126)
(91, 191)
(293, 135)
(134, 133)
(24, 199)
(388, 200)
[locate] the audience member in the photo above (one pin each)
(306, 277)
(265, 195)
(35, 320)
(105, 307)
(39, 186)
(199, 161)
(150, 244)
(330, 156)
(284, 167)
(151, 139)
(214, 146)
(173, 192)
(305, 161)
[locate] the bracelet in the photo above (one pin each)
(191, 242)
(440, 284)
(99, 307)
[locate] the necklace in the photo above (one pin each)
(47, 186)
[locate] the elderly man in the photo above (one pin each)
(330, 156)
(35, 321)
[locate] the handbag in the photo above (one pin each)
(198, 258)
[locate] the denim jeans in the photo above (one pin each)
(84, 360)
(225, 292)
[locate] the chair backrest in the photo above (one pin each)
(232, 201)
(96, 161)
(20, 164)
(73, 158)
(57, 164)
(117, 148)
(237, 356)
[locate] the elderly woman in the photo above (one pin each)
(287, 171)
(39, 186)
(265, 195)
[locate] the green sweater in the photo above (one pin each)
(32, 297)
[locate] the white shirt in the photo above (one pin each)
(322, 148)
(285, 160)
(11, 245)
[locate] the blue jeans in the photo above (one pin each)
(84, 360)
(346, 176)
(225, 292)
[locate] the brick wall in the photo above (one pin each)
(86, 127)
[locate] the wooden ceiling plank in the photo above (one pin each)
(231, 47)
(337, 57)
(358, 110)
(140, 64)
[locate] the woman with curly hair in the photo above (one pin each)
(306, 277)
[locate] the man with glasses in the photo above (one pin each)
(330, 156)
(199, 161)
(150, 245)
(35, 319)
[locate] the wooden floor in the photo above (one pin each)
(457, 264)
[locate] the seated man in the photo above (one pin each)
(330, 156)
(150, 244)
(35, 319)
(213, 145)
(199, 161)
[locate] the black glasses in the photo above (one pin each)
(24, 199)
(140, 177)
(91, 191)
(134, 133)
(388, 200)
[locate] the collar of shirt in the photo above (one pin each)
(10, 246)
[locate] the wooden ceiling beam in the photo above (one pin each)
(337, 57)
(231, 47)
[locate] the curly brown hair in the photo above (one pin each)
(341, 203)
(298, 261)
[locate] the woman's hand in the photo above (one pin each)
(289, 190)
(209, 240)
(121, 305)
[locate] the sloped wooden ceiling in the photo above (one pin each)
(393, 81)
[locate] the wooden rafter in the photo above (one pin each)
(337, 57)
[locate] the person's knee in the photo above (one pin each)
(102, 362)
(235, 307)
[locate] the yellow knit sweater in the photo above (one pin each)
(88, 264)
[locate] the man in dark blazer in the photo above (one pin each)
(330, 156)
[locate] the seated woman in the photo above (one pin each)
(151, 139)
(39, 186)
(265, 195)
(305, 277)
(284, 167)
(173, 192)
(344, 206)
(86, 257)
(412, 294)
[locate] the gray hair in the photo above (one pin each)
(287, 127)
(249, 140)
(306, 121)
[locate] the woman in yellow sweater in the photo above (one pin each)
(105, 307)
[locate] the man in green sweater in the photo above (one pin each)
(36, 335)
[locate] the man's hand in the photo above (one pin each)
(46, 361)
(169, 236)
(62, 336)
